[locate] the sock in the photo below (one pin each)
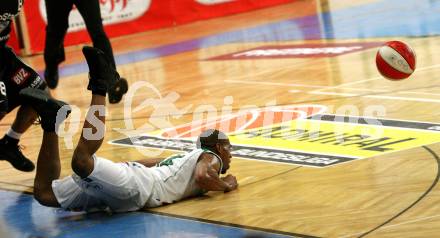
(13, 134)
(12, 137)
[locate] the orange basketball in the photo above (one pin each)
(395, 60)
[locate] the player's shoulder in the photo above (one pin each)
(206, 155)
(209, 156)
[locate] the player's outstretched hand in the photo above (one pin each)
(232, 181)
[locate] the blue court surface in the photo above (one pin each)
(22, 216)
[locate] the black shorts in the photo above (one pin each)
(14, 76)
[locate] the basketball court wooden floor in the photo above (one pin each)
(274, 79)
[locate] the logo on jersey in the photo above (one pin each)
(21, 76)
(298, 51)
(36, 83)
(2, 89)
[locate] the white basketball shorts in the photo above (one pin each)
(110, 185)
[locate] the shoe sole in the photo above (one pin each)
(117, 91)
(37, 96)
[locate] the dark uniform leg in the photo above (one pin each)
(91, 13)
(57, 24)
(16, 75)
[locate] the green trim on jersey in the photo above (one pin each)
(217, 156)
(169, 161)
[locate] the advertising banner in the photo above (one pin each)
(122, 17)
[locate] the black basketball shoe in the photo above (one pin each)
(11, 152)
(103, 78)
(49, 109)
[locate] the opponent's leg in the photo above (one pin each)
(26, 116)
(9, 143)
(91, 13)
(57, 23)
(103, 76)
(10, 85)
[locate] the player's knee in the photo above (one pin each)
(82, 163)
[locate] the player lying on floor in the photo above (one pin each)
(98, 183)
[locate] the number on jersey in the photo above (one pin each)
(2, 88)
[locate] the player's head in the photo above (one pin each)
(217, 142)
(9, 9)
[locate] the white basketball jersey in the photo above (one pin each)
(174, 178)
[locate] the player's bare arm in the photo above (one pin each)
(150, 162)
(207, 178)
